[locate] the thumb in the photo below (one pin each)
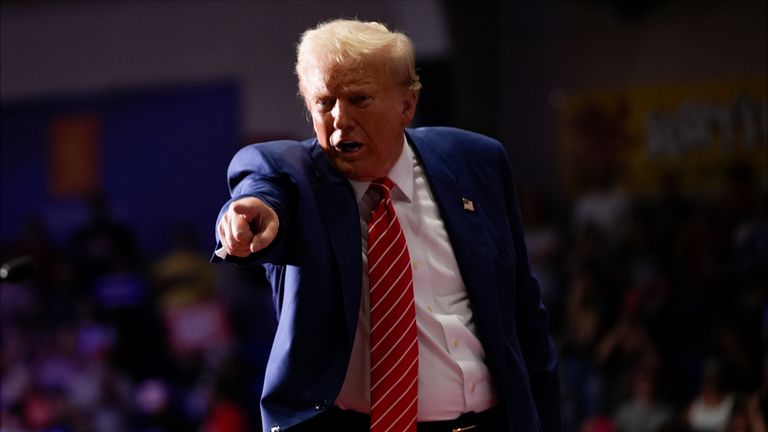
(268, 230)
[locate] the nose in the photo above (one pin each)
(342, 117)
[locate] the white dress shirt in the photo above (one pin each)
(453, 377)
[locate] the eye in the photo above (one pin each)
(325, 104)
(361, 99)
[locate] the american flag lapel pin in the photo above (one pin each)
(468, 204)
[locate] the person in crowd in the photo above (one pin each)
(643, 411)
(712, 407)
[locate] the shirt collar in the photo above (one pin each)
(401, 175)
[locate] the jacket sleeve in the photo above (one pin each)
(258, 171)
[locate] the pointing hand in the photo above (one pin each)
(248, 226)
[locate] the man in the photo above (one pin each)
(467, 347)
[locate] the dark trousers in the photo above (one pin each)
(335, 419)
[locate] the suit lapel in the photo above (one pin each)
(451, 185)
(337, 204)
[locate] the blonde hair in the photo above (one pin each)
(354, 44)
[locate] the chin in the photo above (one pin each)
(352, 175)
(356, 175)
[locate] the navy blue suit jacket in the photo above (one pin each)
(314, 266)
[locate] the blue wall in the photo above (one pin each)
(163, 158)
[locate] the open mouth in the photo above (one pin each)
(348, 146)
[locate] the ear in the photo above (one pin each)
(410, 100)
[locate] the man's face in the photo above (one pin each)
(359, 116)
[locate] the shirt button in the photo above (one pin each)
(416, 264)
(429, 308)
(455, 343)
(472, 388)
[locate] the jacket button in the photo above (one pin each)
(321, 406)
(274, 429)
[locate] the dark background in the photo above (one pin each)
(170, 90)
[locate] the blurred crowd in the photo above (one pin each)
(658, 304)
(99, 336)
(658, 307)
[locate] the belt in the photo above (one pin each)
(488, 420)
(336, 419)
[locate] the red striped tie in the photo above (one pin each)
(394, 344)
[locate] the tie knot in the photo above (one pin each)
(383, 186)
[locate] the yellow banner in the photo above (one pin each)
(637, 136)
